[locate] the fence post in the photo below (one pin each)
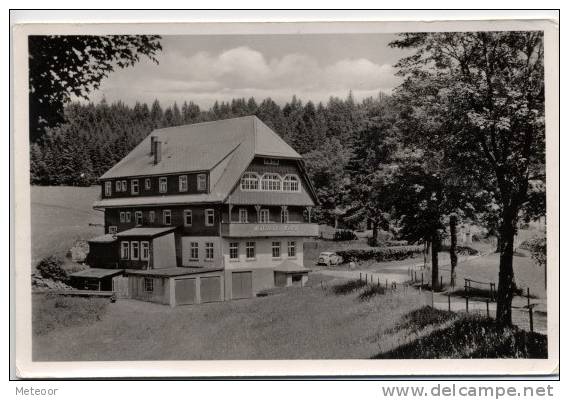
(415, 280)
(530, 319)
(466, 302)
(432, 298)
(421, 279)
(366, 279)
(448, 296)
(528, 297)
(441, 285)
(360, 277)
(488, 308)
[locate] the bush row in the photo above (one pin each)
(344, 234)
(393, 253)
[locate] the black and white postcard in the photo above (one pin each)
(256, 199)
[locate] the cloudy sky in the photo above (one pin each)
(219, 67)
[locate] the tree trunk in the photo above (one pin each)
(435, 246)
(498, 244)
(452, 250)
(374, 233)
(506, 285)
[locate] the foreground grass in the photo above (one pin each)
(453, 335)
(52, 313)
(297, 323)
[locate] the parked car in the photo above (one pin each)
(329, 258)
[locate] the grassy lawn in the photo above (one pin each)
(442, 334)
(485, 269)
(51, 313)
(297, 323)
(60, 215)
(346, 320)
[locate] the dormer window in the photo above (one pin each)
(117, 186)
(123, 184)
(163, 184)
(202, 182)
(108, 188)
(291, 183)
(134, 186)
(250, 181)
(147, 184)
(183, 183)
(271, 182)
(271, 161)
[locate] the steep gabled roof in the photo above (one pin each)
(224, 147)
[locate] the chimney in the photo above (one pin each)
(157, 151)
(152, 140)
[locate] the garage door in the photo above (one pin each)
(210, 289)
(242, 285)
(186, 291)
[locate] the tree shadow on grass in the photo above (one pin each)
(468, 336)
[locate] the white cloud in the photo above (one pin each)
(242, 72)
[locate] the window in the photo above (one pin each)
(147, 184)
(249, 181)
(271, 161)
(138, 217)
(194, 251)
(291, 183)
(188, 217)
(163, 184)
(250, 250)
(134, 250)
(209, 251)
(134, 186)
(234, 250)
(209, 217)
(202, 182)
(122, 217)
(123, 184)
(183, 183)
(151, 216)
(118, 186)
(167, 217)
(113, 229)
(284, 216)
(124, 250)
(243, 217)
(108, 188)
(292, 249)
(127, 216)
(148, 284)
(144, 251)
(264, 216)
(276, 249)
(271, 182)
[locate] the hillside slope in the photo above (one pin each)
(59, 216)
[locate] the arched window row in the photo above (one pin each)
(270, 182)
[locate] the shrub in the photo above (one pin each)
(461, 250)
(538, 249)
(349, 287)
(344, 234)
(393, 243)
(393, 253)
(51, 267)
(370, 291)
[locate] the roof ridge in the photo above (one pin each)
(204, 123)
